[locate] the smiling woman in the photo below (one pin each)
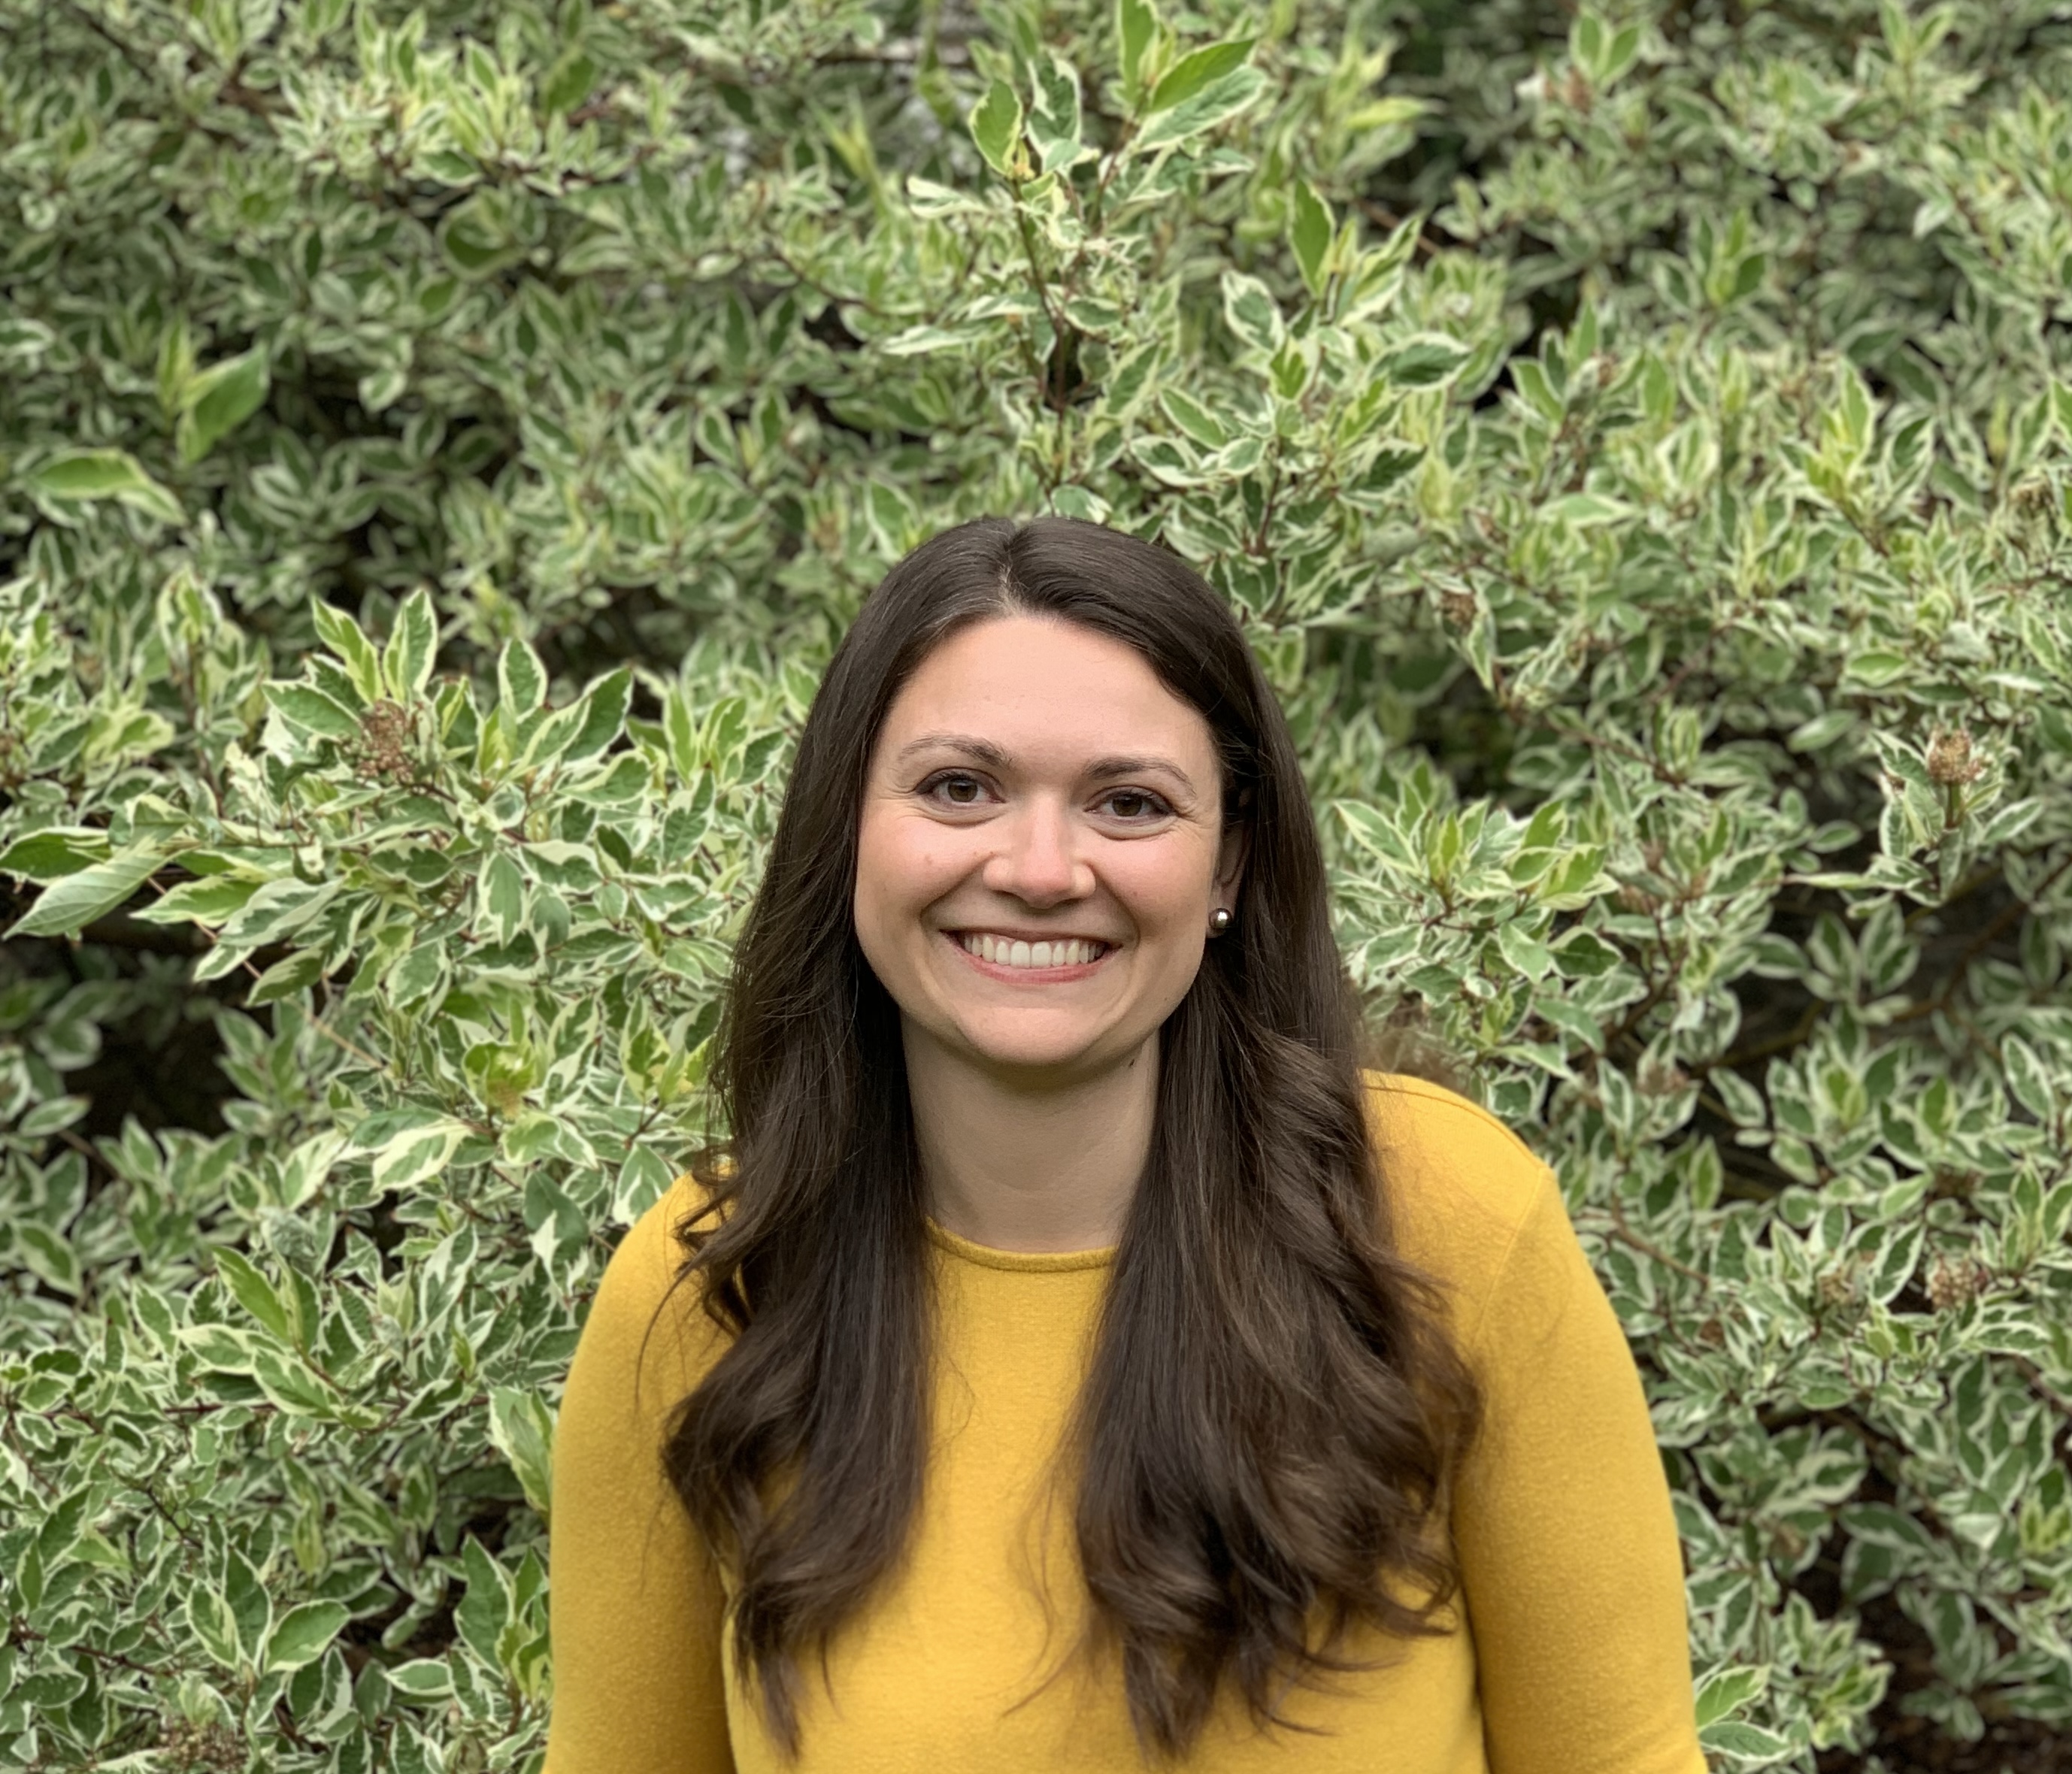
(1074, 1356)
(1001, 827)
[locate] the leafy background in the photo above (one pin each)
(437, 449)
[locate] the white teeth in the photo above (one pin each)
(1003, 951)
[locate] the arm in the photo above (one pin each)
(634, 1610)
(1569, 1547)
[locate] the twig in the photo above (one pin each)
(1994, 930)
(18, 1634)
(1386, 218)
(2051, 1395)
(329, 1033)
(1626, 1235)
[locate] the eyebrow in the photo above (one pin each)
(1101, 769)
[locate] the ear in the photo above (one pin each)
(1230, 854)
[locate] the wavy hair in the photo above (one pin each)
(1274, 1408)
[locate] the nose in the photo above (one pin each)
(1039, 861)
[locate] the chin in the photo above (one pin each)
(1063, 1054)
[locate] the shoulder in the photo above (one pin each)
(651, 1249)
(1464, 1193)
(643, 1265)
(643, 1319)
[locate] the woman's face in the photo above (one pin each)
(1040, 848)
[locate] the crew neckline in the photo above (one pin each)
(986, 1256)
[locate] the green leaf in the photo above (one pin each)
(485, 1610)
(287, 976)
(1747, 1743)
(523, 1429)
(1728, 1690)
(308, 709)
(681, 733)
(348, 642)
(604, 705)
(218, 400)
(550, 738)
(80, 476)
(1054, 121)
(307, 1168)
(417, 1153)
(1170, 462)
(1135, 27)
(250, 1605)
(1624, 52)
(1582, 954)
(1196, 72)
(1391, 463)
(1194, 419)
(479, 241)
(2028, 1079)
(521, 680)
(1309, 231)
(67, 906)
(302, 1634)
(644, 1179)
(212, 1626)
(24, 339)
(1213, 104)
(1578, 511)
(1875, 667)
(1428, 358)
(1251, 314)
(278, 908)
(1524, 951)
(423, 1681)
(920, 341)
(1895, 1256)
(420, 974)
(406, 661)
(61, 1527)
(290, 1386)
(200, 902)
(1586, 37)
(996, 126)
(501, 899)
(375, 1131)
(567, 84)
(54, 852)
(49, 1255)
(254, 1290)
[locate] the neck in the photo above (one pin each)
(1023, 1166)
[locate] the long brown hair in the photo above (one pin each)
(1274, 1409)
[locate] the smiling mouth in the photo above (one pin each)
(1018, 956)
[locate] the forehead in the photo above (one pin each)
(1040, 679)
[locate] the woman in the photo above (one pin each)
(1095, 1367)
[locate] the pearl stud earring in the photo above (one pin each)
(1218, 921)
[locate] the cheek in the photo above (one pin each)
(901, 865)
(1166, 884)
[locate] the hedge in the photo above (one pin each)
(438, 449)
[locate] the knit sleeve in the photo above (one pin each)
(634, 1610)
(1571, 1567)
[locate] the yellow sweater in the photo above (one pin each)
(1573, 1657)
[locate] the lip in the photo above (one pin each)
(993, 970)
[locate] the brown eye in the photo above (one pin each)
(952, 787)
(1135, 804)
